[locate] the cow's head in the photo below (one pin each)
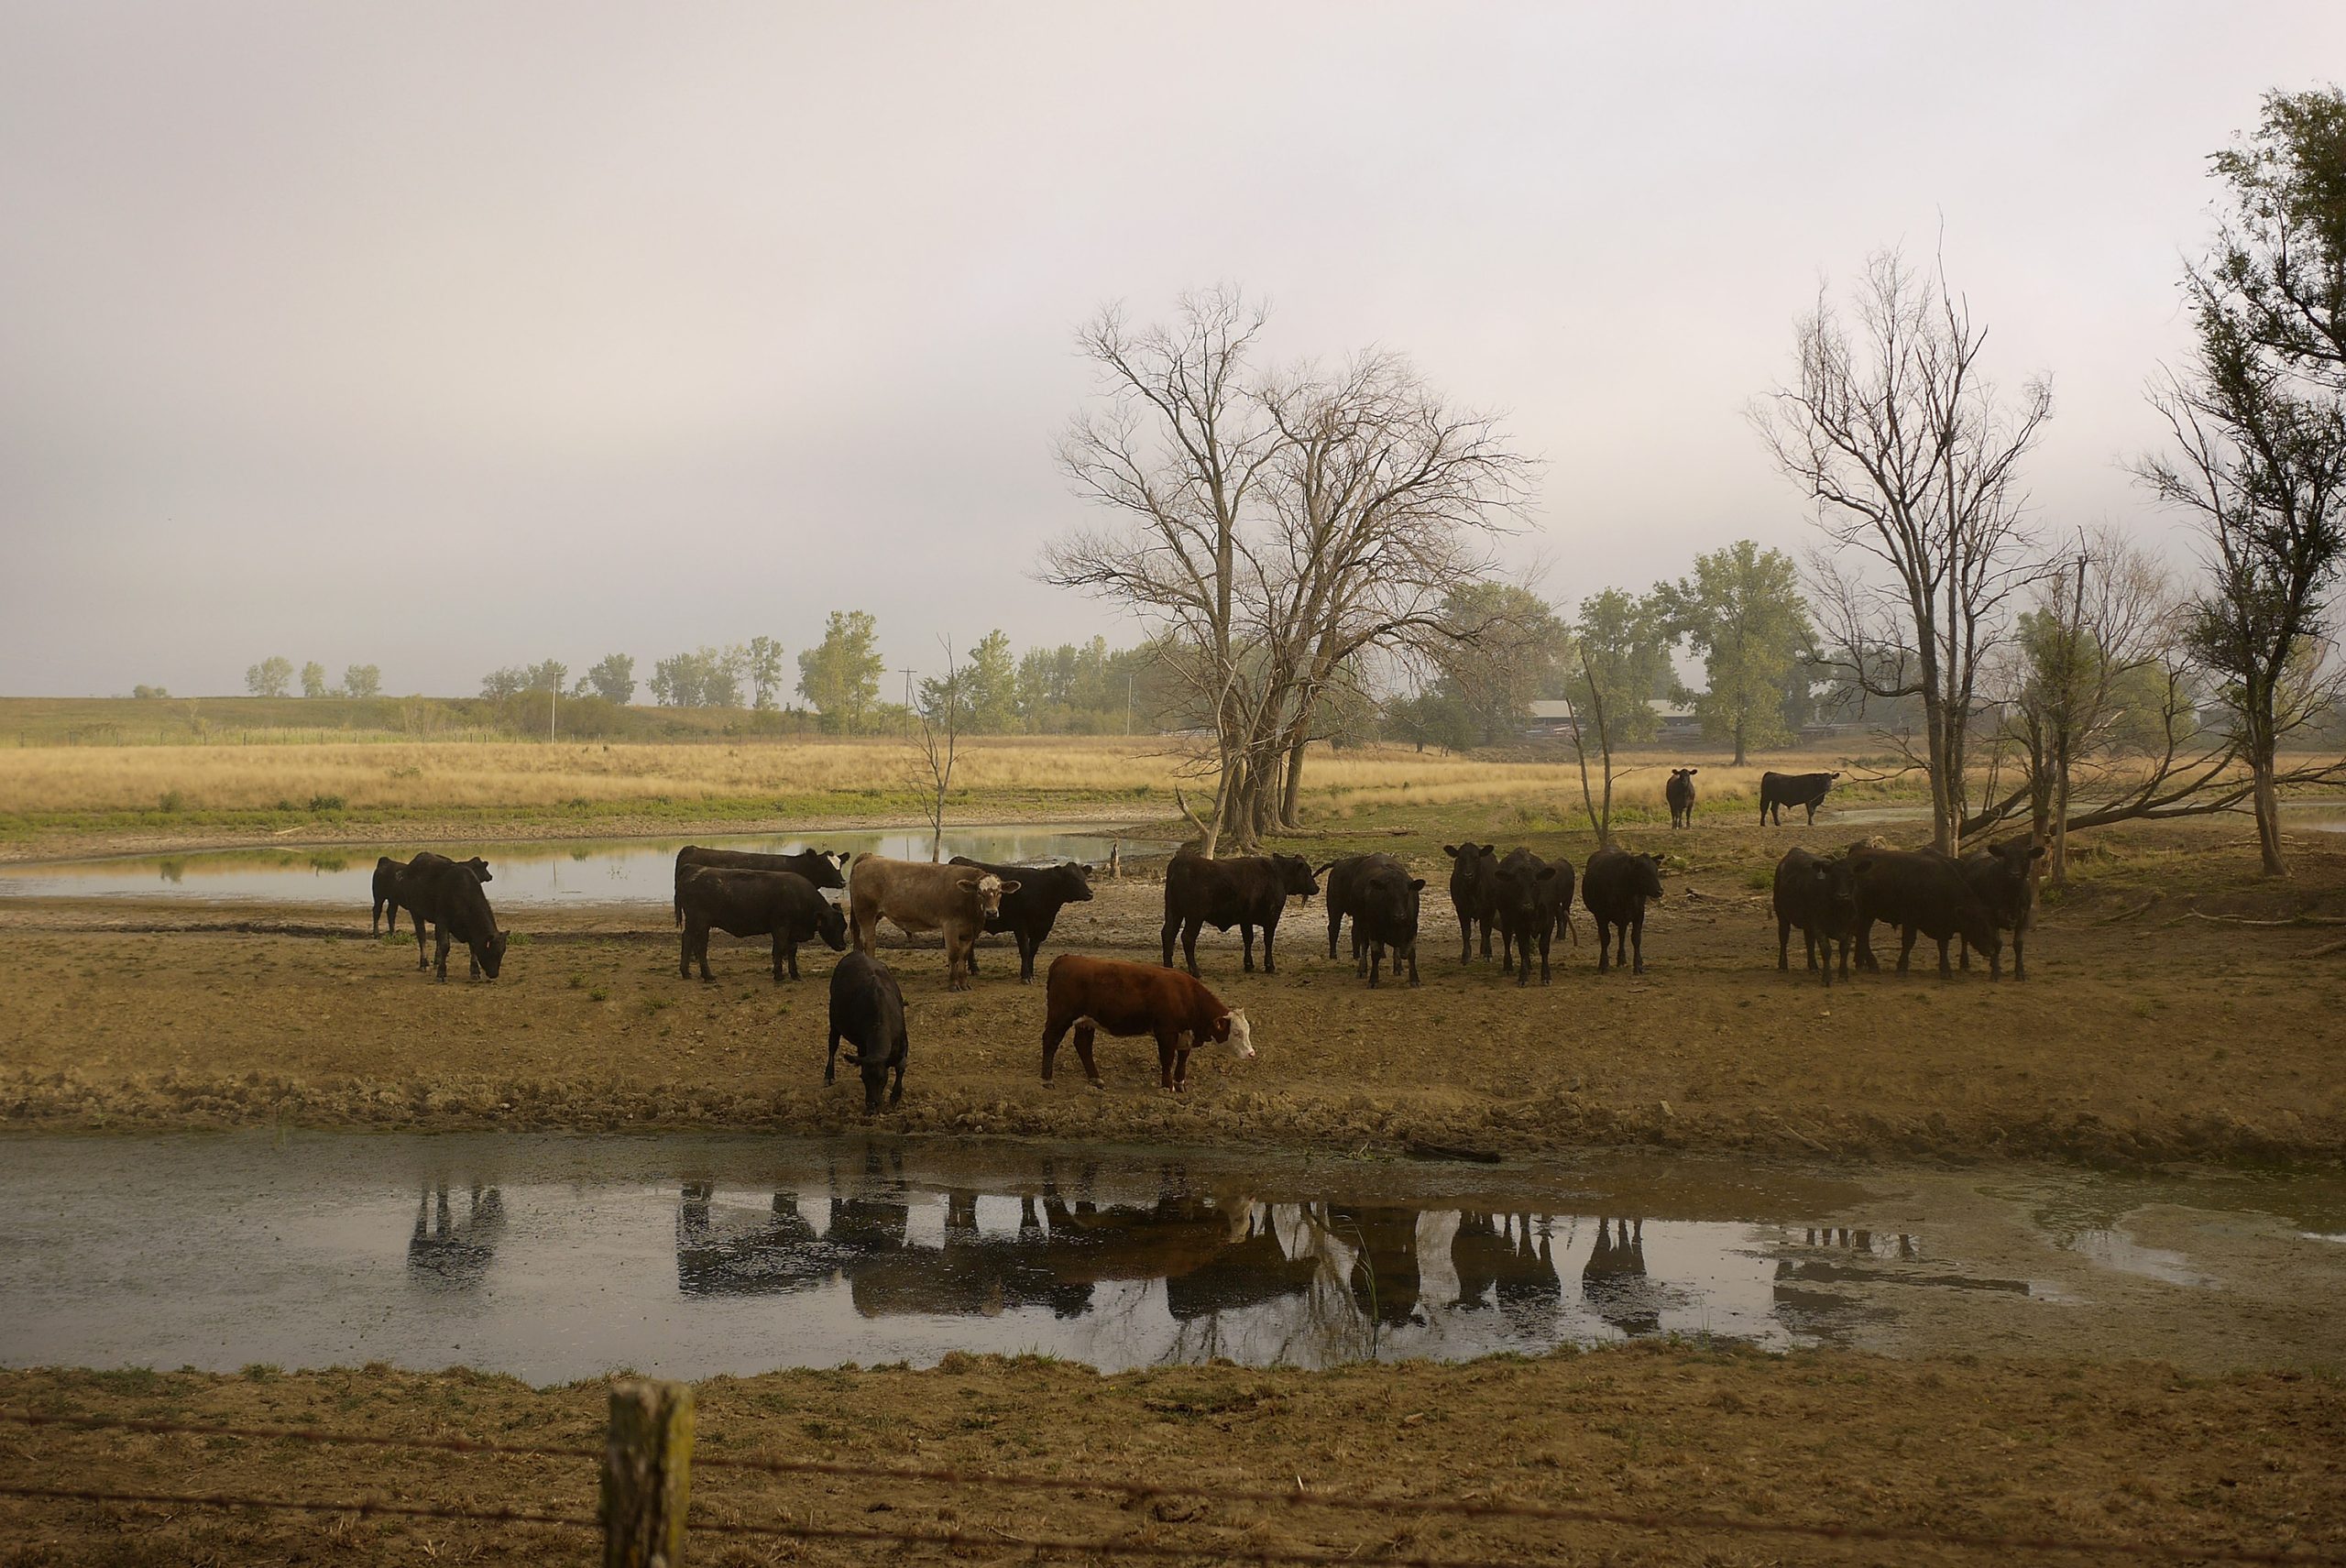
(1644, 874)
(1683, 772)
(1831, 776)
(1232, 1030)
(480, 867)
(831, 926)
(1522, 889)
(491, 955)
(1835, 887)
(1295, 875)
(987, 890)
(1074, 880)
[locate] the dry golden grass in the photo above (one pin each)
(427, 775)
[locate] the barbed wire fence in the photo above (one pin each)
(646, 1460)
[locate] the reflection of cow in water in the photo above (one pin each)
(1614, 1281)
(1054, 1260)
(1253, 1271)
(1385, 1282)
(1509, 1254)
(448, 1254)
(779, 1251)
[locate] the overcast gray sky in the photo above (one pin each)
(445, 336)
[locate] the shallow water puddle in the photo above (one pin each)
(537, 872)
(556, 1257)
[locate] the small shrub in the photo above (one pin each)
(319, 803)
(599, 995)
(170, 800)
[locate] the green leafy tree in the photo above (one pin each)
(546, 677)
(273, 676)
(145, 691)
(1742, 612)
(363, 680)
(498, 685)
(990, 682)
(613, 678)
(764, 666)
(841, 675)
(313, 680)
(1499, 648)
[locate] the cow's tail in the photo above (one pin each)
(1572, 926)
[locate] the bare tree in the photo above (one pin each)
(1277, 531)
(1177, 447)
(1912, 459)
(938, 739)
(2261, 468)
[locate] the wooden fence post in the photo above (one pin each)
(647, 1473)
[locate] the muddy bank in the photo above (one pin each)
(2131, 1453)
(2139, 1039)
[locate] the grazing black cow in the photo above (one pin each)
(386, 890)
(1382, 900)
(867, 1012)
(1818, 894)
(2004, 876)
(781, 905)
(1032, 905)
(1473, 870)
(1680, 793)
(1616, 887)
(819, 867)
(1924, 891)
(1528, 911)
(1246, 891)
(437, 889)
(1779, 790)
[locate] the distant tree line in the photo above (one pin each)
(273, 676)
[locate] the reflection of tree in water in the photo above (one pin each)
(1614, 1279)
(448, 1254)
(1384, 1275)
(1512, 1257)
(1253, 1271)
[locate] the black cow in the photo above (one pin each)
(1031, 905)
(1924, 891)
(1382, 900)
(1616, 887)
(819, 867)
(1473, 870)
(437, 889)
(1779, 790)
(1818, 894)
(867, 1012)
(1527, 910)
(781, 905)
(1246, 891)
(1680, 793)
(387, 891)
(2004, 876)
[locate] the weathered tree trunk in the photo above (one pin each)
(2268, 811)
(1290, 797)
(1740, 759)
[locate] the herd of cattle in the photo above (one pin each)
(1833, 899)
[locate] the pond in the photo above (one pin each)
(557, 1257)
(544, 872)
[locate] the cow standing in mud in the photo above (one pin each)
(1090, 994)
(1923, 892)
(1680, 793)
(386, 892)
(1616, 888)
(918, 896)
(436, 889)
(1817, 894)
(1382, 900)
(1246, 891)
(780, 905)
(1474, 892)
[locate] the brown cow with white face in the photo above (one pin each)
(918, 896)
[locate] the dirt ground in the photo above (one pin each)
(2130, 1453)
(2153, 1026)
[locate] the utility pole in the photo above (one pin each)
(1128, 704)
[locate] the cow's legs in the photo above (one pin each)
(1946, 970)
(957, 960)
(1811, 814)
(1171, 928)
(1190, 929)
(831, 1059)
(440, 952)
(1784, 946)
(1168, 1042)
(1603, 945)
(1335, 923)
(1083, 1032)
(1637, 942)
(1465, 937)
(1547, 934)
(1269, 931)
(904, 1056)
(700, 948)
(1028, 945)
(1247, 939)
(2020, 967)
(422, 961)
(1484, 921)
(1906, 946)
(1413, 961)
